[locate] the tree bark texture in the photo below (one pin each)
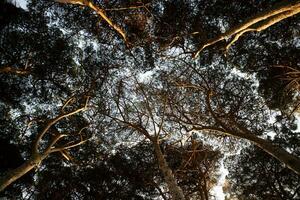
(237, 130)
(175, 191)
(291, 161)
(12, 175)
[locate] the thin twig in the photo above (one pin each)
(127, 8)
(53, 121)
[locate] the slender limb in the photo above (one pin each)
(160, 126)
(52, 122)
(68, 146)
(127, 8)
(257, 23)
(148, 107)
(69, 101)
(13, 70)
(53, 142)
(237, 36)
(160, 191)
(134, 126)
(66, 155)
(99, 11)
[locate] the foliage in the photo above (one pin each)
(142, 93)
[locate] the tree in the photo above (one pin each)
(149, 102)
(194, 165)
(254, 175)
(38, 155)
(226, 108)
(258, 176)
(99, 11)
(257, 23)
(143, 119)
(131, 172)
(11, 158)
(40, 69)
(128, 173)
(265, 58)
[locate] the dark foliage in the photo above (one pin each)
(53, 51)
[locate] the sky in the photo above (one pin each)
(20, 3)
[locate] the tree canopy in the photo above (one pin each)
(150, 99)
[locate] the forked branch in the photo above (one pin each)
(37, 157)
(257, 23)
(54, 121)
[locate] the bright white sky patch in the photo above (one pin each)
(217, 191)
(20, 3)
(146, 76)
(297, 115)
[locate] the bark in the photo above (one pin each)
(237, 130)
(15, 174)
(12, 70)
(257, 23)
(204, 189)
(99, 11)
(291, 161)
(175, 191)
(37, 156)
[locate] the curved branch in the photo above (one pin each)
(127, 8)
(99, 11)
(52, 122)
(257, 23)
(53, 142)
(69, 146)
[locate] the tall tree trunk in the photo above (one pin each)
(175, 190)
(291, 161)
(12, 175)
(277, 152)
(238, 130)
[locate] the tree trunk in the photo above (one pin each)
(204, 188)
(15, 174)
(175, 191)
(238, 130)
(277, 152)
(291, 161)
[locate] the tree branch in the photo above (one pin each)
(68, 146)
(257, 23)
(13, 70)
(127, 8)
(99, 11)
(52, 122)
